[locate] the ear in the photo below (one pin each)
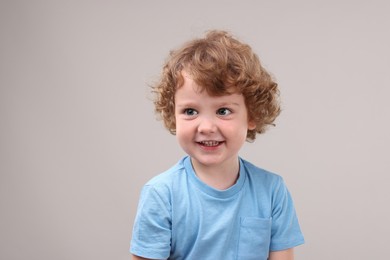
(251, 125)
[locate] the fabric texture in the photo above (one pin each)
(180, 217)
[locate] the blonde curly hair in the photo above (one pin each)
(220, 64)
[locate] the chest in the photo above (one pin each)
(203, 223)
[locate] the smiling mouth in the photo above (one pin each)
(210, 143)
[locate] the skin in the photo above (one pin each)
(134, 257)
(276, 255)
(212, 130)
(287, 254)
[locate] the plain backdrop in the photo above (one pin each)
(78, 135)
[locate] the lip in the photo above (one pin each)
(210, 145)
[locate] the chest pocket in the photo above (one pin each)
(254, 239)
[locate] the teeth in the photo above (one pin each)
(209, 143)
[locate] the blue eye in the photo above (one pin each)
(190, 112)
(224, 111)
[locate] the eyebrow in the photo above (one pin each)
(229, 104)
(186, 104)
(194, 104)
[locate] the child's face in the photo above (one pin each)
(210, 129)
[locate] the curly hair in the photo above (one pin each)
(222, 65)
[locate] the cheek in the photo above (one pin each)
(182, 129)
(234, 130)
(184, 137)
(175, 121)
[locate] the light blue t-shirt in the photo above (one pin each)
(180, 217)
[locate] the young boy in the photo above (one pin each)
(214, 95)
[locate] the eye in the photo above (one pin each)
(224, 111)
(190, 112)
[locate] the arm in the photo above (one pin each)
(135, 257)
(151, 235)
(287, 254)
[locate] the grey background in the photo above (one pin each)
(78, 137)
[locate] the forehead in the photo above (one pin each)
(204, 82)
(191, 92)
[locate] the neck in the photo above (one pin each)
(220, 177)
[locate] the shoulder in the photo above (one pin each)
(164, 182)
(260, 175)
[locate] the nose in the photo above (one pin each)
(207, 125)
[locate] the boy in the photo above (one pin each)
(213, 95)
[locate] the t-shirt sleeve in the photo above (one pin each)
(151, 236)
(285, 230)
